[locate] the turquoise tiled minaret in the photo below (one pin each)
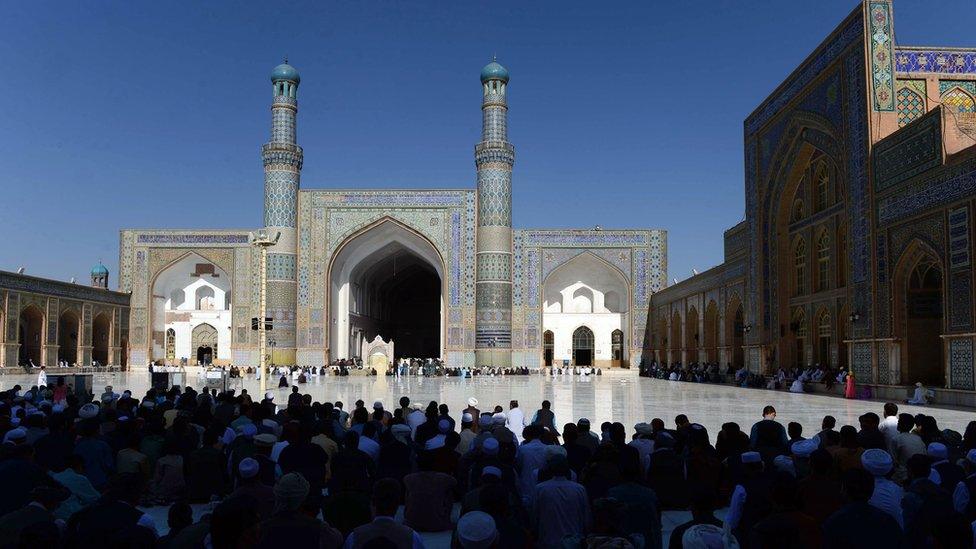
(282, 173)
(494, 157)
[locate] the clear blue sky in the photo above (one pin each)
(139, 114)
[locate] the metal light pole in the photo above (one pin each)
(262, 241)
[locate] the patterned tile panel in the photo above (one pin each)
(863, 370)
(961, 364)
(908, 153)
(935, 61)
(882, 47)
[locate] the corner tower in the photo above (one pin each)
(282, 172)
(494, 157)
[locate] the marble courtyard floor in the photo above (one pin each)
(615, 396)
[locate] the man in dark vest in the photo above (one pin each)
(545, 418)
(384, 530)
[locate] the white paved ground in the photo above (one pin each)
(615, 396)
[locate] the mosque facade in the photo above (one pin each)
(440, 272)
(856, 249)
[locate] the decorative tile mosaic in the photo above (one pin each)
(882, 45)
(958, 101)
(862, 367)
(935, 61)
(960, 249)
(281, 266)
(943, 187)
(192, 238)
(911, 105)
(908, 153)
(961, 300)
(961, 364)
(884, 366)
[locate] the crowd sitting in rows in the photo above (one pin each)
(305, 473)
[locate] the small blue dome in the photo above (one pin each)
(99, 270)
(285, 71)
(494, 71)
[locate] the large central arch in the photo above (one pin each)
(387, 280)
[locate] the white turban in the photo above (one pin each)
(877, 462)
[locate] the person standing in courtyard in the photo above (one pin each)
(849, 388)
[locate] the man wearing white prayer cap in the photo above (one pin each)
(887, 495)
(467, 434)
(945, 473)
(707, 536)
(476, 530)
(475, 413)
(802, 450)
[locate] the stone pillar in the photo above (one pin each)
(494, 158)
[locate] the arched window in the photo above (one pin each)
(821, 193)
(823, 339)
(842, 256)
(910, 106)
(823, 262)
(205, 298)
(170, 344)
(958, 100)
(797, 213)
(799, 267)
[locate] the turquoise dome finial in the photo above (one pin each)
(99, 270)
(285, 71)
(494, 71)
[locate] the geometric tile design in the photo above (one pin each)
(935, 61)
(958, 100)
(910, 105)
(961, 364)
(862, 363)
(959, 246)
(281, 266)
(882, 69)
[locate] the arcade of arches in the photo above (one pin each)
(387, 281)
(47, 322)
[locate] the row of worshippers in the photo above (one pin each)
(207, 446)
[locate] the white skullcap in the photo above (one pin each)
(971, 456)
(466, 418)
(784, 464)
(491, 471)
(484, 420)
(248, 468)
(644, 429)
(88, 411)
(443, 426)
(490, 446)
(15, 436)
(877, 462)
(248, 430)
(498, 419)
(706, 536)
(803, 448)
(378, 405)
(269, 395)
(472, 401)
(476, 530)
(434, 442)
(751, 457)
(938, 450)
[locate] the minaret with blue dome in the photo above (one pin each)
(282, 173)
(494, 157)
(99, 276)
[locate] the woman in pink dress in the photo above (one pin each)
(849, 390)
